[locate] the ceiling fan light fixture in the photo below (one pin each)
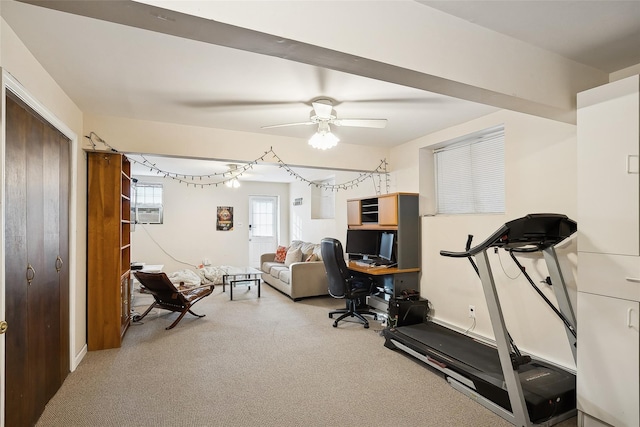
(233, 183)
(323, 139)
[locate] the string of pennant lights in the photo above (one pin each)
(379, 175)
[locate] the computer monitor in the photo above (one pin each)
(362, 242)
(386, 246)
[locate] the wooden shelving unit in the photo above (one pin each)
(397, 212)
(108, 249)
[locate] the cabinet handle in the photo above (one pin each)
(31, 274)
(632, 279)
(59, 264)
(629, 311)
(632, 164)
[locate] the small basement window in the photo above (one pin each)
(469, 174)
(146, 206)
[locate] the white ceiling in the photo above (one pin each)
(116, 70)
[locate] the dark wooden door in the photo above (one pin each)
(36, 251)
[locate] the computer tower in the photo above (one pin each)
(407, 311)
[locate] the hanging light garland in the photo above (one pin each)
(223, 178)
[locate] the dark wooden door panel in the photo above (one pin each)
(37, 353)
(63, 263)
(16, 368)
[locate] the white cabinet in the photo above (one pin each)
(608, 179)
(608, 379)
(606, 372)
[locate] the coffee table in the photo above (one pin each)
(242, 275)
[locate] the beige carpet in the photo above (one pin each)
(258, 362)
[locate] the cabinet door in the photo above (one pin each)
(615, 276)
(608, 359)
(353, 212)
(388, 210)
(608, 180)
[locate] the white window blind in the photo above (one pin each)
(470, 174)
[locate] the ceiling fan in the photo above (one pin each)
(323, 115)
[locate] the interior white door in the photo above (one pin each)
(263, 227)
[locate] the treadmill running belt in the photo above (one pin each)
(455, 345)
(547, 390)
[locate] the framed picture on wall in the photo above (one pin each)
(224, 218)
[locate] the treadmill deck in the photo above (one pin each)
(547, 390)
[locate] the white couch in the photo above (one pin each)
(296, 277)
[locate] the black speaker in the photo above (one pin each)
(408, 311)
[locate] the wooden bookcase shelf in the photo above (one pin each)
(108, 249)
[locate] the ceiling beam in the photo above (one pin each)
(152, 18)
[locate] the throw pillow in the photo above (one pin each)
(293, 256)
(281, 254)
(311, 258)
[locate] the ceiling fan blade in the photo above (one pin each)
(287, 124)
(234, 103)
(363, 123)
(322, 108)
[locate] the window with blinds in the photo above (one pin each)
(470, 174)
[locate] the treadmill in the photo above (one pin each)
(520, 389)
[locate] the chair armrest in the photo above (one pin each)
(308, 278)
(366, 281)
(268, 257)
(210, 285)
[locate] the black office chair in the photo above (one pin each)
(342, 284)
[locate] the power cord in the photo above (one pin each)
(504, 271)
(473, 325)
(162, 249)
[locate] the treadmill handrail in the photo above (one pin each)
(479, 248)
(525, 242)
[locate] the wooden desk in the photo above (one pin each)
(389, 281)
(380, 270)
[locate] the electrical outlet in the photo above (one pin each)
(472, 311)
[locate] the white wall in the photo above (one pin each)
(188, 232)
(540, 176)
(314, 230)
(141, 136)
(18, 61)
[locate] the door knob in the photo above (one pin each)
(3, 327)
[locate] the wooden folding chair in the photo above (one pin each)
(168, 297)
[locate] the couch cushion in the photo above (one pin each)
(293, 256)
(307, 248)
(317, 252)
(276, 269)
(295, 244)
(281, 254)
(266, 266)
(285, 276)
